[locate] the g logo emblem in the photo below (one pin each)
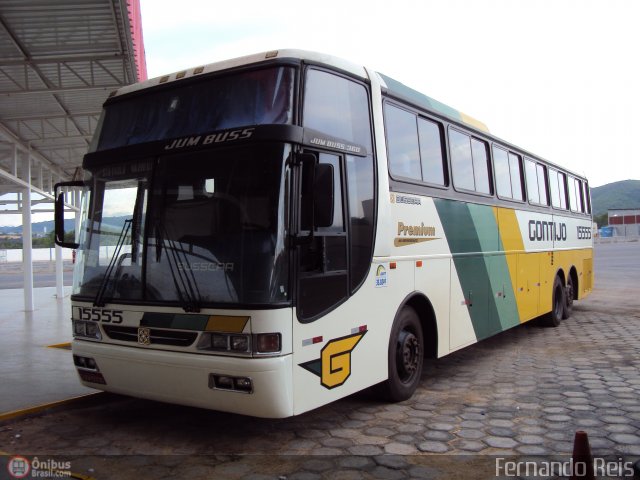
(334, 365)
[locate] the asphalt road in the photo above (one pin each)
(520, 394)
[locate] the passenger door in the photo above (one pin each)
(323, 280)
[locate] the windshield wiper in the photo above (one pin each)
(187, 288)
(99, 300)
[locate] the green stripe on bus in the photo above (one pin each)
(485, 280)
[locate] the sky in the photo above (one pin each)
(559, 78)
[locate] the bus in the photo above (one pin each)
(269, 234)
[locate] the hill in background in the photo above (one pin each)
(41, 228)
(624, 194)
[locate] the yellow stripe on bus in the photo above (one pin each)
(514, 247)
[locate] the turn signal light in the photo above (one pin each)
(268, 343)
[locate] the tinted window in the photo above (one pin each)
(469, 162)
(337, 107)
(562, 188)
(573, 202)
(532, 181)
(215, 103)
(361, 210)
(542, 184)
(515, 168)
(575, 195)
(430, 136)
(501, 168)
(402, 143)
(555, 193)
(480, 166)
(587, 198)
(461, 160)
(557, 180)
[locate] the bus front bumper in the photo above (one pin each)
(188, 379)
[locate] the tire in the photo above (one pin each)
(558, 303)
(405, 356)
(568, 298)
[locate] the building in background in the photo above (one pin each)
(624, 222)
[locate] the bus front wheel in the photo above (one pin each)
(406, 351)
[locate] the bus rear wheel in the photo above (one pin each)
(406, 351)
(569, 296)
(558, 304)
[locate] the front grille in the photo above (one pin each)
(157, 336)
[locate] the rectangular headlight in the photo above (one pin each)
(219, 342)
(93, 330)
(78, 328)
(240, 343)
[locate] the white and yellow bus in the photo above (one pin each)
(271, 233)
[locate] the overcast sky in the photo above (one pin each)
(559, 78)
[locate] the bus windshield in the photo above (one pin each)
(238, 99)
(195, 229)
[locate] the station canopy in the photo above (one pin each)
(59, 60)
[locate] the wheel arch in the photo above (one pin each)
(423, 307)
(560, 274)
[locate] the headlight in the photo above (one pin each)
(86, 329)
(258, 344)
(93, 330)
(78, 328)
(240, 343)
(219, 342)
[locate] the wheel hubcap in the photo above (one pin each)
(570, 294)
(408, 355)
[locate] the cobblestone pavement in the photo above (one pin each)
(522, 393)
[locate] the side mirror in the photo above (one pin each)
(323, 195)
(59, 214)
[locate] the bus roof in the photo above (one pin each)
(336, 62)
(393, 86)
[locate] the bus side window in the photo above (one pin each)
(337, 107)
(533, 191)
(501, 168)
(461, 160)
(555, 192)
(562, 186)
(587, 198)
(573, 199)
(542, 184)
(431, 156)
(515, 168)
(558, 181)
(402, 143)
(469, 162)
(480, 166)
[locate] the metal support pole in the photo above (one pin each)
(27, 259)
(59, 274)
